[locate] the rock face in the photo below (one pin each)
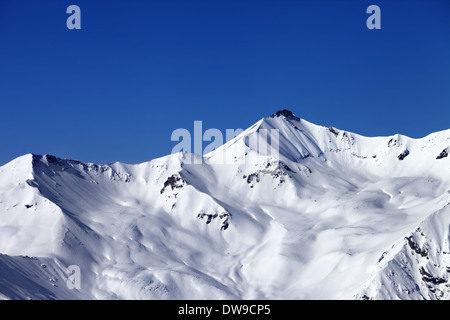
(443, 154)
(403, 155)
(174, 182)
(284, 113)
(334, 215)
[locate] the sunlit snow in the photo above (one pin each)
(335, 216)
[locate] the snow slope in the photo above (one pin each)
(334, 215)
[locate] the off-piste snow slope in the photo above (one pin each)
(334, 215)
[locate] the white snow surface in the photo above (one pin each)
(335, 216)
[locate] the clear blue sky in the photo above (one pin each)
(137, 70)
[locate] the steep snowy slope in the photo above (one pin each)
(331, 215)
(418, 266)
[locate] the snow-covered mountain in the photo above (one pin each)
(334, 215)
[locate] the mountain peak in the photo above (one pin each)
(284, 113)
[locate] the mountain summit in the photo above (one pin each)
(334, 215)
(284, 113)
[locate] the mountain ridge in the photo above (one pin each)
(317, 222)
